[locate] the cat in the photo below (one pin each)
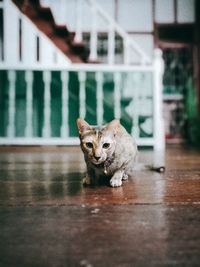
(109, 151)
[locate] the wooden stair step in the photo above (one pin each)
(43, 18)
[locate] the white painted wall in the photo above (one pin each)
(164, 11)
(135, 15)
(132, 15)
(186, 11)
(145, 41)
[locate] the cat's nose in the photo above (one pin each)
(97, 158)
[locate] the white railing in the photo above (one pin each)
(132, 52)
(113, 27)
(137, 75)
(24, 44)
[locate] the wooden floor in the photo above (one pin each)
(47, 218)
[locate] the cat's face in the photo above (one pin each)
(98, 144)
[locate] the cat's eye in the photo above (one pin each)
(89, 145)
(106, 145)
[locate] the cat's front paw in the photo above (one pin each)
(114, 182)
(87, 180)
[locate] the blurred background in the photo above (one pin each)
(135, 60)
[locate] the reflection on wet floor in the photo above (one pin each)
(55, 178)
(31, 177)
(48, 187)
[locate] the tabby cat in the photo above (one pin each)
(109, 151)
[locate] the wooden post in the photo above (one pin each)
(159, 134)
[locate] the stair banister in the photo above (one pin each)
(79, 34)
(119, 30)
(24, 32)
(111, 45)
(93, 35)
(127, 51)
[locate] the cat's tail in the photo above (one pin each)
(160, 169)
(143, 167)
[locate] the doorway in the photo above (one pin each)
(177, 76)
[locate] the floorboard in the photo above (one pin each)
(47, 218)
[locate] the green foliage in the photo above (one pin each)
(193, 116)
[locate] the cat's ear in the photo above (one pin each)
(82, 125)
(114, 126)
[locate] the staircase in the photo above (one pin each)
(42, 93)
(71, 43)
(90, 13)
(43, 19)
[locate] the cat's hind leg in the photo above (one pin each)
(116, 179)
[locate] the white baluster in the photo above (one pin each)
(135, 116)
(11, 33)
(82, 94)
(46, 132)
(29, 33)
(78, 36)
(29, 103)
(65, 99)
(111, 45)
(127, 52)
(11, 104)
(99, 80)
(117, 95)
(159, 134)
(93, 34)
(45, 52)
